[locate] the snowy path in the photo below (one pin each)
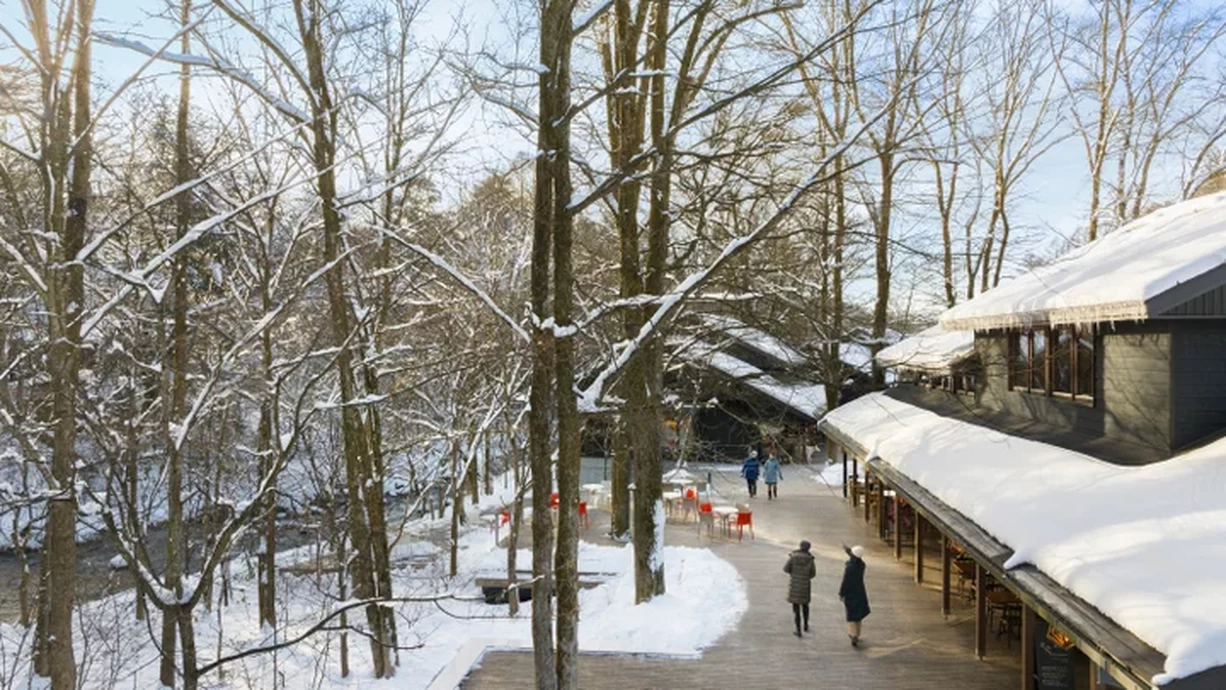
(906, 645)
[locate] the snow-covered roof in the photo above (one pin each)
(807, 398)
(1112, 278)
(755, 338)
(858, 356)
(932, 349)
(1144, 545)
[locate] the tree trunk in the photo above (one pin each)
(882, 256)
(517, 517)
(175, 536)
(359, 482)
(645, 375)
(57, 580)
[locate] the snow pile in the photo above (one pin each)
(932, 349)
(705, 599)
(1145, 545)
(1111, 278)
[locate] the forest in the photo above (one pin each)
(292, 290)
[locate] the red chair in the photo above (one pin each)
(744, 518)
(583, 519)
(553, 500)
(505, 517)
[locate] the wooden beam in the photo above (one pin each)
(855, 495)
(946, 566)
(897, 527)
(881, 509)
(918, 542)
(866, 490)
(1028, 624)
(981, 613)
(844, 453)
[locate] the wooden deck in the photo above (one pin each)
(906, 642)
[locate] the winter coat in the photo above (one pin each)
(772, 472)
(802, 568)
(852, 592)
(749, 470)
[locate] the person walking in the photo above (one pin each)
(772, 472)
(803, 569)
(749, 470)
(853, 594)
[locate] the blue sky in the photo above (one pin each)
(1054, 205)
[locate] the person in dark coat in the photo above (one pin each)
(852, 592)
(802, 568)
(749, 470)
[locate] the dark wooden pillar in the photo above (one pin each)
(981, 613)
(946, 565)
(897, 526)
(1028, 621)
(844, 454)
(919, 548)
(881, 524)
(866, 490)
(855, 495)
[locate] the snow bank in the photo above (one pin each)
(705, 599)
(1111, 278)
(932, 349)
(1145, 545)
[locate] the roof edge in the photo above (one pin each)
(1130, 310)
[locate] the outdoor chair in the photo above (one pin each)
(689, 503)
(583, 519)
(744, 519)
(706, 517)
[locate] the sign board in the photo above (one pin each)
(1053, 658)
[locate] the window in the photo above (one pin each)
(1056, 360)
(1062, 360)
(1084, 364)
(1019, 360)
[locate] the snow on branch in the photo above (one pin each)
(218, 65)
(586, 19)
(589, 398)
(460, 278)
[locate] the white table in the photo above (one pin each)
(724, 513)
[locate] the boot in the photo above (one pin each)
(855, 641)
(797, 633)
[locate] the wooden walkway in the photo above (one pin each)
(906, 642)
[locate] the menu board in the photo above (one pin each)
(1053, 658)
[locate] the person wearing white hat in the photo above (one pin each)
(853, 594)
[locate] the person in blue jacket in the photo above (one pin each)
(772, 472)
(749, 470)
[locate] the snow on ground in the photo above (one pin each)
(706, 597)
(1145, 545)
(1111, 278)
(830, 475)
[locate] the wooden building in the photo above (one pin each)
(1102, 370)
